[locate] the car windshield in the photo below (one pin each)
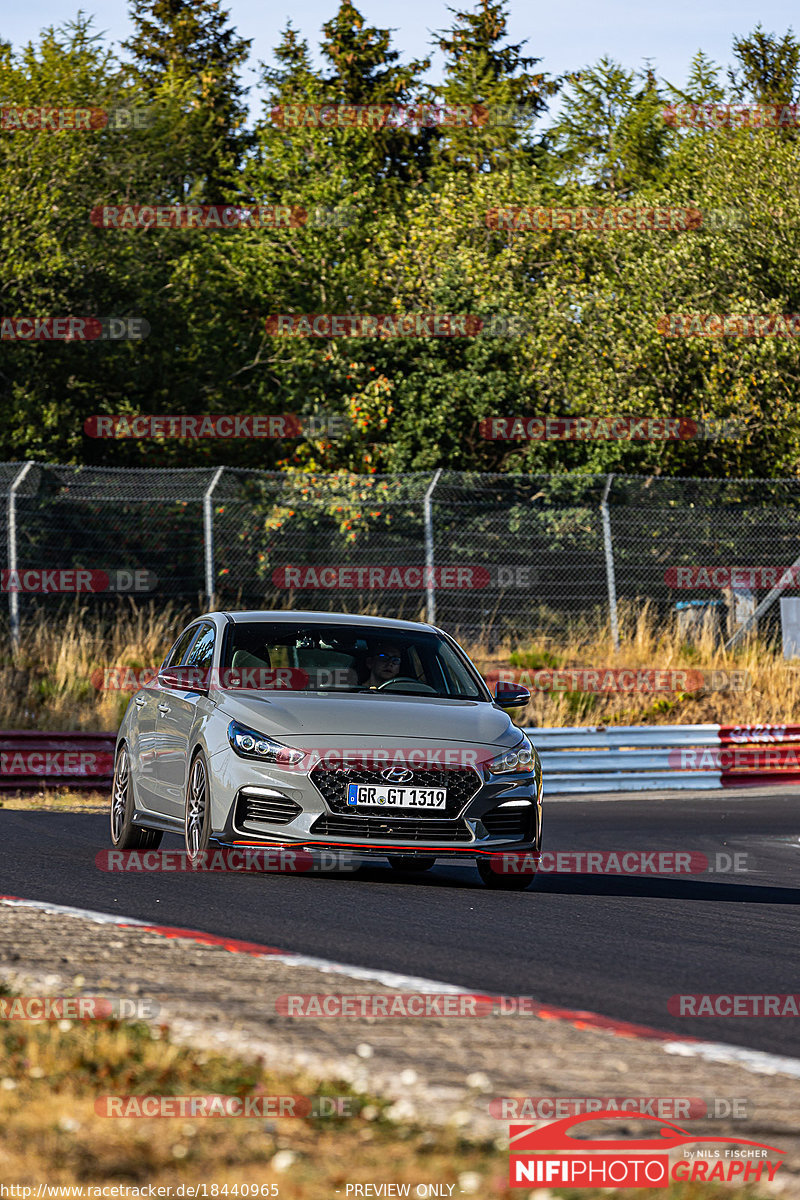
(266, 655)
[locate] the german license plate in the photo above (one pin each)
(395, 797)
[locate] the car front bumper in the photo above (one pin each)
(503, 814)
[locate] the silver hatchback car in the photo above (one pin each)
(329, 731)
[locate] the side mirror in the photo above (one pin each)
(510, 695)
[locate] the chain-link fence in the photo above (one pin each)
(485, 556)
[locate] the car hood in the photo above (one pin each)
(354, 718)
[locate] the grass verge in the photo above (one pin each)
(753, 683)
(51, 1073)
(56, 800)
(54, 680)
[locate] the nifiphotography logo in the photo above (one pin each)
(555, 1156)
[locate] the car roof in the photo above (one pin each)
(317, 618)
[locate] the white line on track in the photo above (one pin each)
(757, 1061)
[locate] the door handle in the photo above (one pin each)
(163, 709)
(140, 701)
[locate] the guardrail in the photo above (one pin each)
(580, 759)
(633, 758)
(32, 759)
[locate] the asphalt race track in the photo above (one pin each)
(620, 946)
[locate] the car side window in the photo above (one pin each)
(416, 669)
(202, 652)
(175, 656)
(456, 677)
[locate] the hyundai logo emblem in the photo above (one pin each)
(397, 775)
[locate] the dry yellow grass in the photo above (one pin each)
(766, 690)
(57, 800)
(49, 683)
(51, 1074)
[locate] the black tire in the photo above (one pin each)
(197, 812)
(504, 883)
(407, 862)
(124, 834)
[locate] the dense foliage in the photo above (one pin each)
(397, 223)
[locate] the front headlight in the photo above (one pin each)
(521, 758)
(247, 743)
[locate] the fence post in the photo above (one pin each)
(609, 550)
(13, 595)
(430, 587)
(208, 537)
(787, 580)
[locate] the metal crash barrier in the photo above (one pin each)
(632, 758)
(32, 759)
(581, 759)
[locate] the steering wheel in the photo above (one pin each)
(423, 687)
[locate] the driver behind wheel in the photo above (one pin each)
(383, 664)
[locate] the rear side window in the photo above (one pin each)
(202, 652)
(175, 656)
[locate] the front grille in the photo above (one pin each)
(508, 822)
(278, 810)
(331, 782)
(387, 831)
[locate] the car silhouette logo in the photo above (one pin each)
(397, 775)
(557, 1135)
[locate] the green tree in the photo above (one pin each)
(365, 70)
(611, 133)
(483, 69)
(54, 262)
(191, 42)
(768, 69)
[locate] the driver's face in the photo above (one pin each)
(384, 664)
